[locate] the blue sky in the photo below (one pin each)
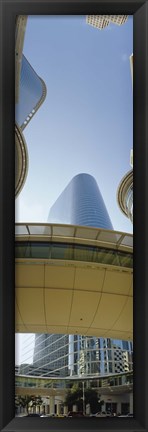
(86, 121)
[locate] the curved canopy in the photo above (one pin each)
(74, 280)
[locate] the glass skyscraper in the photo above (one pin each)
(30, 92)
(81, 203)
(31, 95)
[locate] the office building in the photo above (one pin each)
(125, 188)
(131, 66)
(76, 355)
(102, 21)
(125, 195)
(20, 29)
(81, 203)
(30, 93)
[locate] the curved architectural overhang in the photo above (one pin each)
(48, 386)
(39, 103)
(69, 296)
(43, 391)
(20, 29)
(21, 160)
(124, 189)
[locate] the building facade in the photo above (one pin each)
(81, 203)
(125, 188)
(125, 195)
(77, 355)
(30, 93)
(102, 21)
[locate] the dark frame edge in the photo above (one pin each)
(140, 138)
(8, 10)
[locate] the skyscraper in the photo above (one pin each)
(81, 203)
(30, 93)
(102, 21)
(125, 195)
(125, 188)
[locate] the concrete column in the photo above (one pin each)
(65, 409)
(131, 403)
(74, 408)
(37, 409)
(58, 408)
(46, 409)
(118, 407)
(87, 409)
(52, 402)
(41, 409)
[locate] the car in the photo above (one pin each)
(33, 415)
(75, 414)
(101, 414)
(125, 415)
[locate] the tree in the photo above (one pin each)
(75, 397)
(27, 401)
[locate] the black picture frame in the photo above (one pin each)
(9, 9)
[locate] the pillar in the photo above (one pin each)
(47, 408)
(52, 402)
(131, 403)
(74, 408)
(37, 409)
(88, 409)
(65, 409)
(118, 407)
(58, 408)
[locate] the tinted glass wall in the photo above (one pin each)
(81, 203)
(30, 94)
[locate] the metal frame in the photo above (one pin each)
(8, 12)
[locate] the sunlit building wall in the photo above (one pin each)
(102, 21)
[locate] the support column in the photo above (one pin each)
(131, 403)
(47, 409)
(65, 409)
(74, 408)
(88, 409)
(52, 402)
(37, 409)
(58, 408)
(118, 407)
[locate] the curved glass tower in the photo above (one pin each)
(31, 96)
(81, 203)
(30, 92)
